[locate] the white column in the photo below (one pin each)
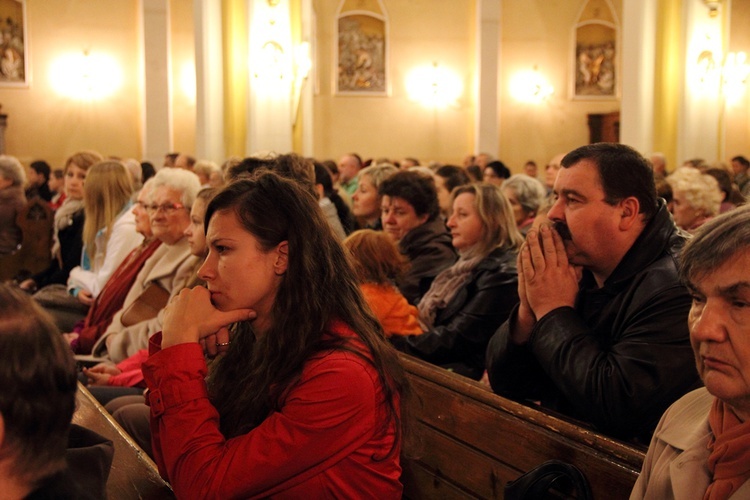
(701, 108)
(270, 77)
(637, 70)
(487, 138)
(157, 71)
(209, 81)
(306, 101)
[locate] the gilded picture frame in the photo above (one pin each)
(361, 54)
(14, 44)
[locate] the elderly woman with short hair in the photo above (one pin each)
(525, 194)
(12, 201)
(701, 447)
(696, 198)
(167, 270)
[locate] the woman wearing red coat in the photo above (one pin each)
(304, 398)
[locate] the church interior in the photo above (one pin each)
(430, 79)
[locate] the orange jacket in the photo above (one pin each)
(397, 316)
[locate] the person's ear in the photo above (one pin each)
(423, 218)
(282, 258)
(2, 431)
(629, 212)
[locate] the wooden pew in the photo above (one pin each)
(473, 442)
(133, 473)
(35, 220)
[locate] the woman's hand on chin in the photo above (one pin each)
(190, 317)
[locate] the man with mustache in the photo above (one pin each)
(600, 333)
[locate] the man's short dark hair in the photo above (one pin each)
(715, 243)
(742, 161)
(623, 172)
(499, 168)
(454, 176)
(41, 167)
(416, 188)
(358, 158)
(39, 383)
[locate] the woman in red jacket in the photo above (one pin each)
(304, 398)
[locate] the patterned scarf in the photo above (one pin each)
(64, 218)
(729, 461)
(444, 288)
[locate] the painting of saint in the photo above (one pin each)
(595, 69)
(12, 43)
(361, 55)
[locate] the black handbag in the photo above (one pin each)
(536, 483)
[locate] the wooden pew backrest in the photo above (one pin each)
(36, 222)
(473, 442)
(133, 473)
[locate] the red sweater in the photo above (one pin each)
(320, 444)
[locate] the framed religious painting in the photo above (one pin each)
(595, 63)
(14, 54)
(361, 48)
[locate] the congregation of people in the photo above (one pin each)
(262, 304)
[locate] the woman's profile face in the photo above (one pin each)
(683, 213)
(519, 213)
(238, 272)
(444, 195)
(365, 201)
(194, 232)
(465, 225)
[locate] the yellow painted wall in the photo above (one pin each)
(43, 124)
(183, 67)
(540, 33)
(737, 131)
(534, 33)
(420, 32)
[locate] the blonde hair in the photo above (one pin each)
(108, 189)
(701, 190)
(497, 218)
(378, 173)
(375, 256)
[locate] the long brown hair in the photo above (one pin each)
(251, 380)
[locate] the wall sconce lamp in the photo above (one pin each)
(433, 86)
(85, 76)
(530, 87)
(729, 78)
(713, 7)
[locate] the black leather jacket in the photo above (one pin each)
(461, 331)
(430, 250)
(622, 355)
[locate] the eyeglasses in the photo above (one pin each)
(167, 208)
